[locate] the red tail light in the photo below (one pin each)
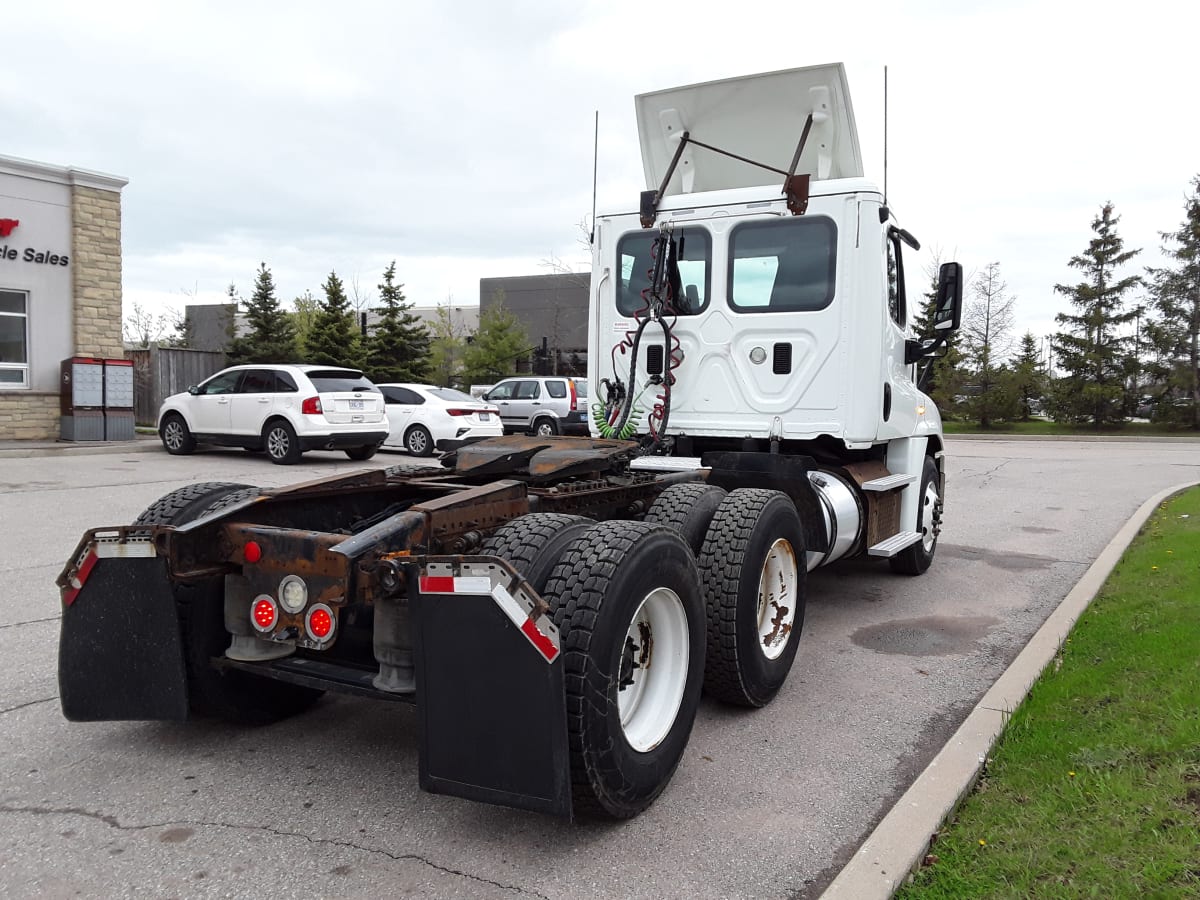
(311, 406)
(461, 412)
(263, 613)
(574, 395)
(319, 623)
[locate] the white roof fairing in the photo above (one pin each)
(759, 117)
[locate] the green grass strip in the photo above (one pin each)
(1093, 790)
(1042, 426)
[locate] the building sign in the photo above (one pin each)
(27, 254)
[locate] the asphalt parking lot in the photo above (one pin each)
(766, 803)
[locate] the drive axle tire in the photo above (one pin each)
(753, 566)
(689, 509)
(533, 543)
(235, 696)
(916, 558)
(626, 598)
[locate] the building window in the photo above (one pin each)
(14, 339)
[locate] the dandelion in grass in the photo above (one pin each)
(982, 842)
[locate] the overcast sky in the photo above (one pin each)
(456, 137)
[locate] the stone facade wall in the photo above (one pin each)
(96, 271)
(29, 415)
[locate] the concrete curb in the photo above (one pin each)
(15, 450)
(901, 840)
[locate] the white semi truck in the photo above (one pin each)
(554, 606)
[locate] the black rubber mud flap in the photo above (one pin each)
(120, 656)
(492, 709)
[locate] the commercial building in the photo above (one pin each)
(60, 285)
(553, 310)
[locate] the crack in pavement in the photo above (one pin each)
(30, 703)
(113, 822)
(986, 476)
(30, 622)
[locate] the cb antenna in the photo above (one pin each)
(595, 167)
(885, 112)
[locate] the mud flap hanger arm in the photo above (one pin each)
(794, 186)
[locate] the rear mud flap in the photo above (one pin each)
(120, 655)
(492, 709)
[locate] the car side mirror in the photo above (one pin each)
(193, 390)
(949, 297)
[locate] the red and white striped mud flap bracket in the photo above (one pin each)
(98, 544)
(489, 686)
(515, 598)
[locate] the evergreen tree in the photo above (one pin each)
(446, 347)
(1175, 290)
(986, 328)
(270, 335)
(1028, 381)
(398, 347)
(333, 340)
(1090, 350)
(498, 344)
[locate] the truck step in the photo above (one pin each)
(895, 543)
(315, 673)
(888, 482)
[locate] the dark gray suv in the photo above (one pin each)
(541, 404)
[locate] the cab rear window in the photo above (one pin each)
(636, 263)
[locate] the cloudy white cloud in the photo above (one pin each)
(457, 138)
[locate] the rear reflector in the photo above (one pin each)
(252, 553)
(263, 613)
(311, 406)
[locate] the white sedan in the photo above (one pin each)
(420, 415)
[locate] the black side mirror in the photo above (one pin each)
(949, 297)
(193, 390)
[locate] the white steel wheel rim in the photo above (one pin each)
(173, 433)
(777, 593)
(928, 505)
(416, 441)
(277, 442)
(653, 668)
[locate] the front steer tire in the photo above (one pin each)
(235, 696)
(616, 581)
(916, 559)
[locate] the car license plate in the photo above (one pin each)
(485, 417)
(356, 404)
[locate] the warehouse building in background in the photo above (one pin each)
(60, 285)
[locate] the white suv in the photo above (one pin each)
(541, 405)
(282, 409)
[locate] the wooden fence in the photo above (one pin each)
(160, 372)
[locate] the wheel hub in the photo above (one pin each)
(778, 591)
(652, 669)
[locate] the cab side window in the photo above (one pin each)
(895, 281)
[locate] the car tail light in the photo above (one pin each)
(461, 412)
(311, 406)
(574, 395)
(263, 613)
(320, 623)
